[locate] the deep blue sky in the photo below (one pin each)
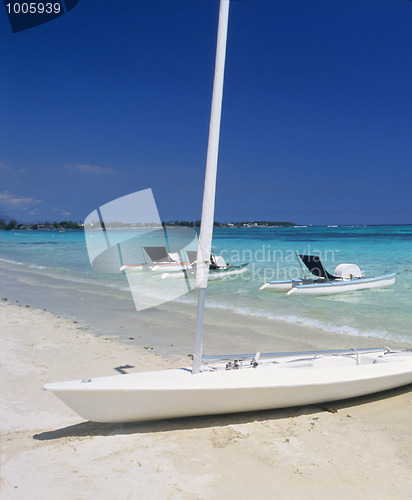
(114, 97)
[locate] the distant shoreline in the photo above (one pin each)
(70, 225)
(13, 225)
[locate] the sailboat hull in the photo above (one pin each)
(273, 384)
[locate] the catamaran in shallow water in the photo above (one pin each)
(183, 263)
(346, 278)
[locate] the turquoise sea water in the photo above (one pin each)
(59, 264)
(377, 250)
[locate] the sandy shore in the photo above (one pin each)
(358, 449)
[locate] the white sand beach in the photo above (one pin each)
(359, 448)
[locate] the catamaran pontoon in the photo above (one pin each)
(346, 278)
(173, 262)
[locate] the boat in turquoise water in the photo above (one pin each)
(346, 278)
(182, 264)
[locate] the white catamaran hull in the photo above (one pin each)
(275, 383)
(179, 270)
(214, 274)
(331, 287)
(282, 285)
(314, 287)
(167, 267)
(227, 271)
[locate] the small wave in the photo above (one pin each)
(9, 261)
(72, 279)
(186, 300)
(39, 243)
(88, 281)
(308, 322)
(54, 274)
(117, 286)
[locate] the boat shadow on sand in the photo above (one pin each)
(91, 429)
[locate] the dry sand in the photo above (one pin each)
(357, 449)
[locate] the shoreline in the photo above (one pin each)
(360, 447)
(169, 329)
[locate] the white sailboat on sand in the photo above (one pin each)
(235, 383)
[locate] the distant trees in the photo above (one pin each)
(68, 225)
(63, 225)
(12, 224)
(230, 224)
(260, 223)
(185, 223)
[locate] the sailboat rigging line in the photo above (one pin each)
(331, 352)
(186, 277)
(119, 250)
(300, 264)
(103, 227)
(208, 208)
(166, 238)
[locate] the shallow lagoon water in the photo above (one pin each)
(51, 269)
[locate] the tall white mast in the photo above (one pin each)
(208, 209)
